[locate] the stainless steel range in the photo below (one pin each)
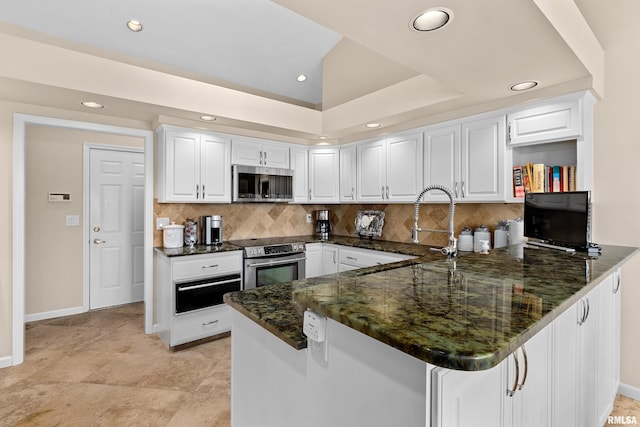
(270, 261)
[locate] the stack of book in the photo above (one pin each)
(538, 178)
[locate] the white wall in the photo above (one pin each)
(616, 165)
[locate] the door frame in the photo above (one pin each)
(20, 122)
(86, 230)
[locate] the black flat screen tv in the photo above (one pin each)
(561, 219)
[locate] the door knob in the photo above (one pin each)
(98, 241)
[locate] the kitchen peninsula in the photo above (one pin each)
(521, 336)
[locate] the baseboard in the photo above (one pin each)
(52, 314)
(629, 391)
(6, 361)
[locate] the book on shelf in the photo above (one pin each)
(518, 184)
(538, 178)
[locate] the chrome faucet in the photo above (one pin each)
(450, 250)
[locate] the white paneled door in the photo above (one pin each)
(116, 222)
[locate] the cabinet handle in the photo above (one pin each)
(202, 191)
(526, 367)
(309, 194)
(462, 187)
(210, 266)
(352, 198)
(586, 315)
(261, 158)
(334, 257)
(455, 188)
(352, 258)
(197, 191)
(265, 158)
(509, 131)
(387, 192)
(512, 391)
(581, 312)
(617, 286)
(382, 192)
(213, 322)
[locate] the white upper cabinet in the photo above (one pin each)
(442, 161)
(260, 153)
(193, 167)
(348, 177)
(389, 170)
(482, 160)
(545, 123)
(468, 158)
(324, 170)
(300, 166)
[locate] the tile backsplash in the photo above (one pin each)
(254, 220)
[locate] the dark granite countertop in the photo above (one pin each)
(196, 250)
(467, 316)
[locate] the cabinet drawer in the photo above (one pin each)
(207, 265)
(200, 324)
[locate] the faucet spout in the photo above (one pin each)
(450, 250)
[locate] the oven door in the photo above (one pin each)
(205, 293)
(268, 271)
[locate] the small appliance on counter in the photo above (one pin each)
(323, 224)
(172, 235)
(212, 230)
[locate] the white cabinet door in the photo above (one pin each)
(300, 165)
(215, 169)
(329, 259)
(530, 405)
(404, 168)
(348, 175)
(193, 167)
(313, 263)
(275, 156)
(246, 153)
(546, 123)
(258, 153)
(372, 179)
(467, 398)
(482, 160)
(181, 171)
(324, 168)
(442, 161)
(608, 347)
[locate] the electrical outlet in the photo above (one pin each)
(308, 218)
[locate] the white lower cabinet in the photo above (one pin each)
(565, 375)
(329, 259)
(354, 258)
(204, 278)
(313, 263)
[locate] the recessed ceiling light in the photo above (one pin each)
(373, 125)
(91, 104)
(302, 78)
(529, 84)
(135, 26)
(323, 143)
(207, 118)
(432, 19)
(322, 137)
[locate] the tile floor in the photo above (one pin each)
(100, 369)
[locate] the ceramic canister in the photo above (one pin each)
(516, 231)
(465, 240)
(500, 235)
(172, 235)
(481, 233)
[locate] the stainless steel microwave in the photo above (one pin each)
(257, 184)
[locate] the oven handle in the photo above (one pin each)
(204, 285)
(263, 264)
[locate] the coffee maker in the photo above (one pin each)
(323, 224)
(212, 230)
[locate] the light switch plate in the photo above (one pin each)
(161, 222)
(72, 220)
(308, 218)
(314, 326)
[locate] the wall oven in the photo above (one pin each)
(204, 293)
(270, 264)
